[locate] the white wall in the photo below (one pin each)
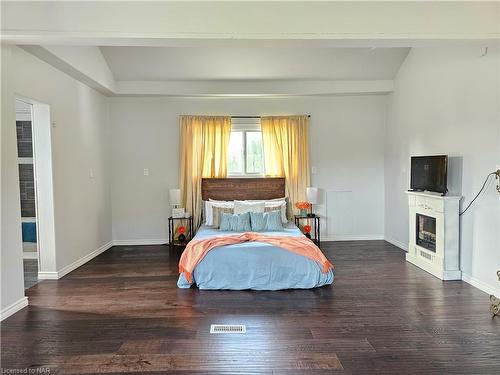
(346, 138)
(80, 141)
(446, 101)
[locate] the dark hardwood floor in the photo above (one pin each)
(30, 272)
(122, 313)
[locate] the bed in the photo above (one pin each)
(252, 265)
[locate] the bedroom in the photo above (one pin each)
(115, 93)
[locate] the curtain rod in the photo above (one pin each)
(253, 116)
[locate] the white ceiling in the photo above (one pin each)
(263, 63)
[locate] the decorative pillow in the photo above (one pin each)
(213, 201)
(281, 206)
(265, 200)
(209, 214)
(273, 221)
(272, 204)
(266, 222)
(216, 214)
(258, 221)
(277, 199)
(240, 207)
(235, 222)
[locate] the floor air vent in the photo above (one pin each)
(228, 328)
(425, 255)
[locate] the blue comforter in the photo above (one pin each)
(255, 265)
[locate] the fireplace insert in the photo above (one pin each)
(426, 232)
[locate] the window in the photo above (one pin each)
(246, 152)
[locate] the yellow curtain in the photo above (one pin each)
(286, 154)
(203, 153)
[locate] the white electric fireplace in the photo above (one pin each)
(434, 234)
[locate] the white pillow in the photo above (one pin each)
(209, 209)
(241, 207)
(222, 202)
(277, 203)
(274, 200)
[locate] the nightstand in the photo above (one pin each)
(314, 222)
(173, 240)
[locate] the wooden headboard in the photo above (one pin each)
(228, 189)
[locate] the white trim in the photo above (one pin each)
(352, 237)
(139, 242)
(30, 255)
(481, 285)
(80, 262)
(44, 185)
(397, 243)
(25, 160)
(47, 276)
(13, 308)
(73, 266)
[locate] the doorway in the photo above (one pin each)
(34, 158)
(25, 163)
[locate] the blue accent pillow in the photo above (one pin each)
(266, 221)
(273, 221)
(258, 221)
(235, 222)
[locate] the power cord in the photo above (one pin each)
(497, 174)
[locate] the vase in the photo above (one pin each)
(303, 212)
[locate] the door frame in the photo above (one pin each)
(44, 188)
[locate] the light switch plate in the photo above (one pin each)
(146, 171)
(314, 170)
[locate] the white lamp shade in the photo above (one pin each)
(174, 197)
(312, 195)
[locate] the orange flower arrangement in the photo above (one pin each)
(303, 205)
(181, 237)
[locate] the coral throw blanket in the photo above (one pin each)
(197, 249)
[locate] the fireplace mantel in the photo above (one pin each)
(434, 243)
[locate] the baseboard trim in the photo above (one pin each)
(401, 245)
(13, 308)
(141, 242)
(73, 266)
(47, 276)
(481, 285)
(80, 262)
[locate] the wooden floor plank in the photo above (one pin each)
(122, 313)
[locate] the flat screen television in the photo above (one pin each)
(429, 173)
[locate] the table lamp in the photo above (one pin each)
(312, 197)
(174, 196)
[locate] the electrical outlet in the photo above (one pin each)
(146, 171)
(91, 173)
